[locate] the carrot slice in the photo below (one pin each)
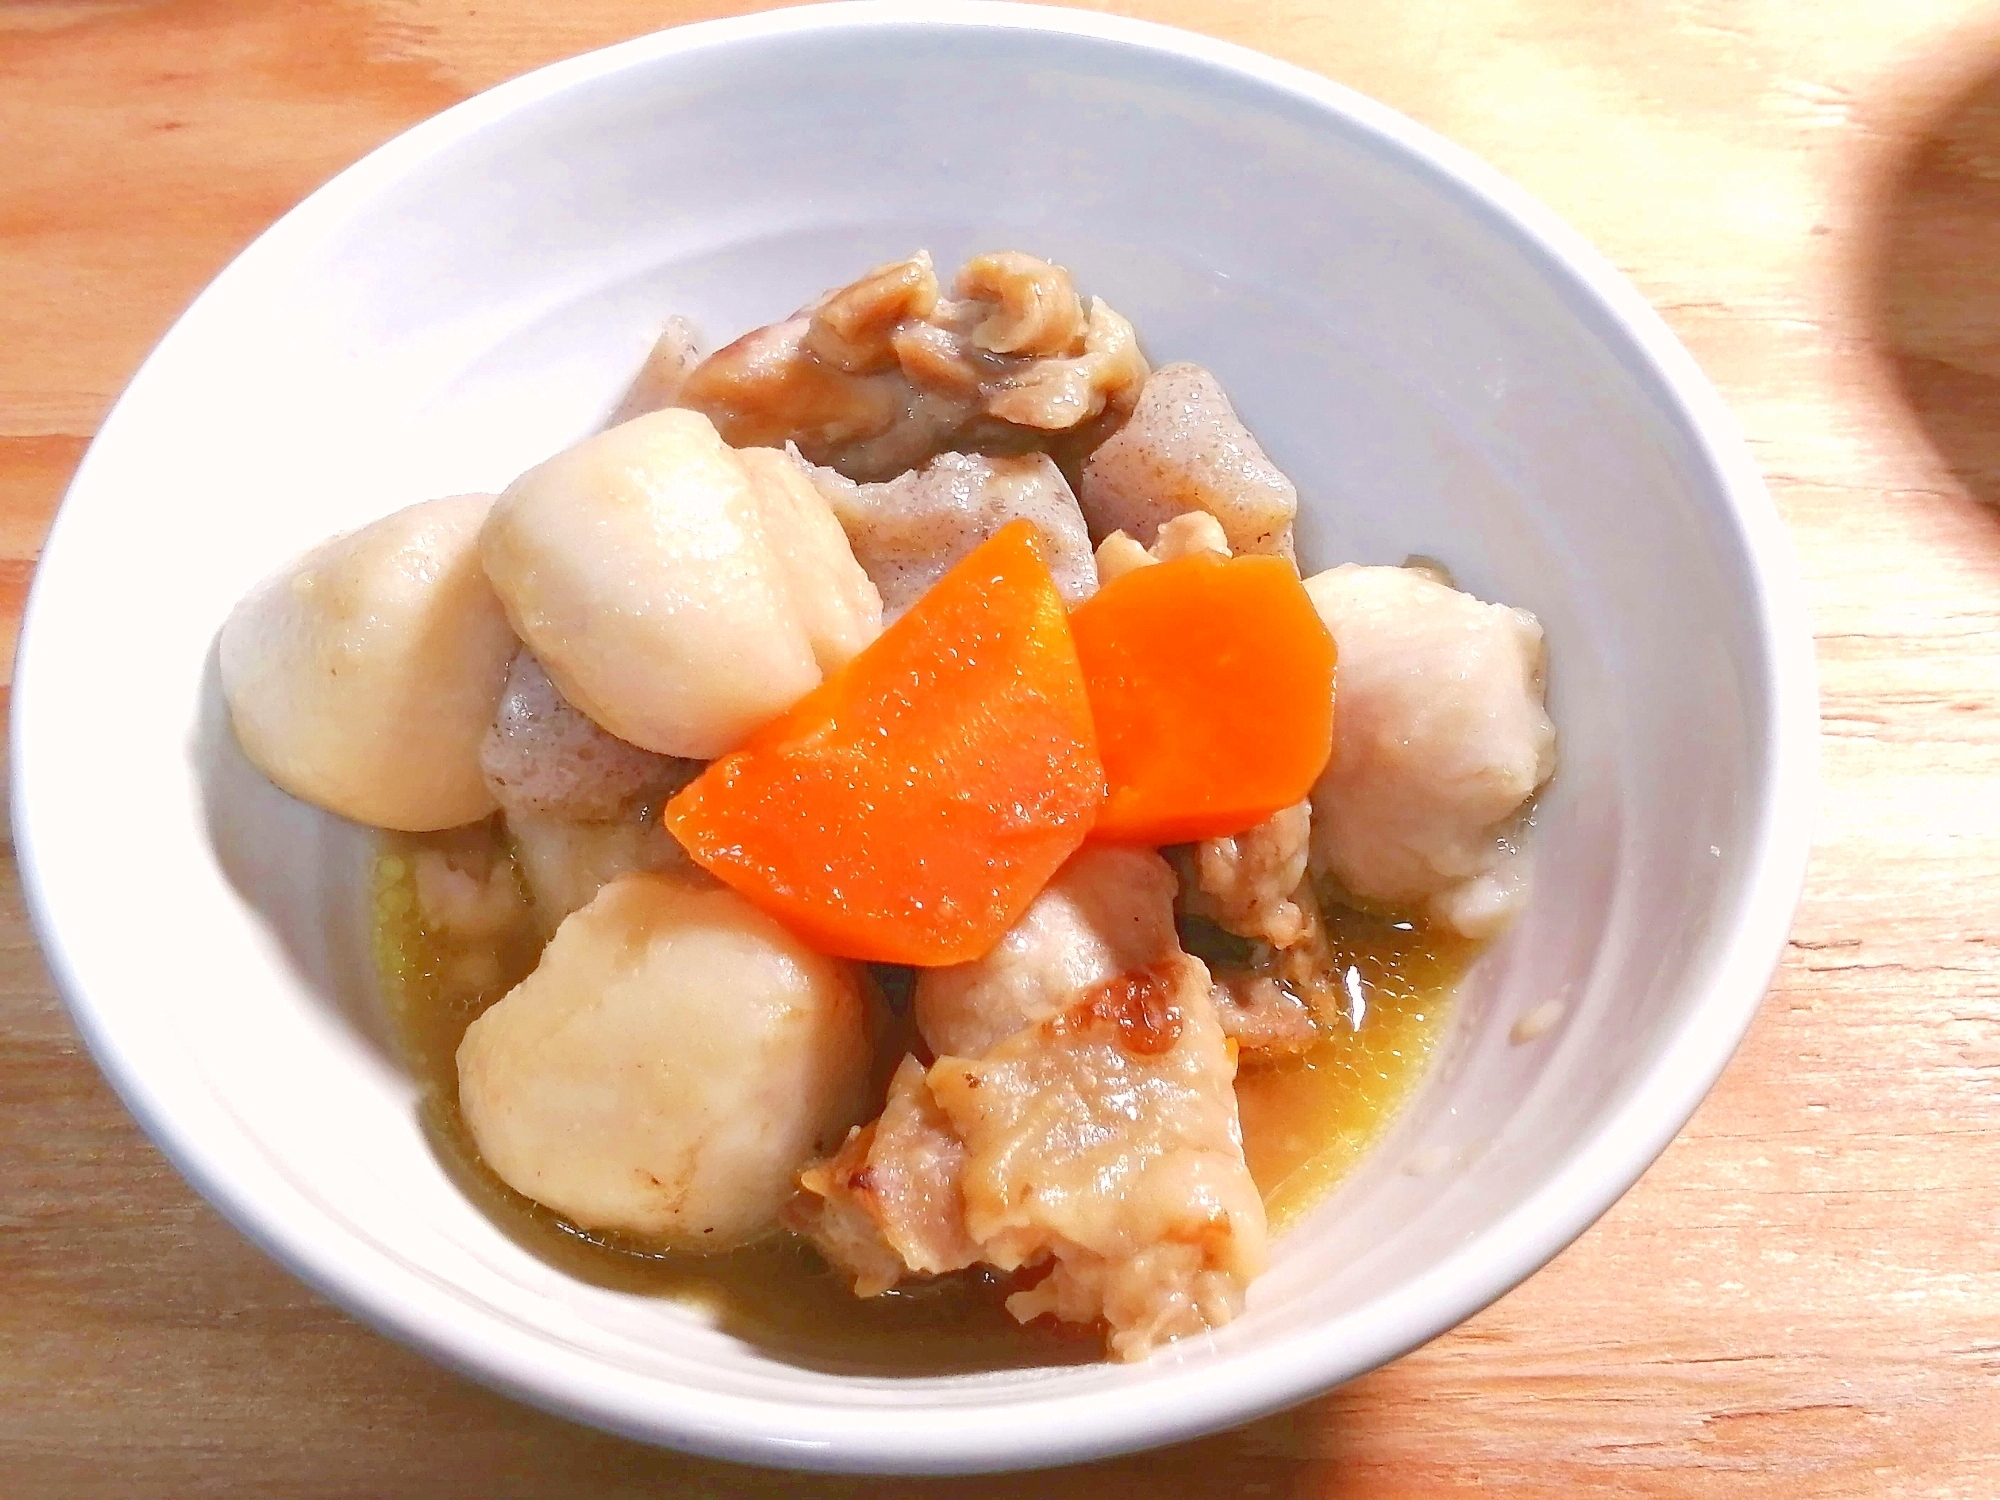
(910, 807)
(1211, 680)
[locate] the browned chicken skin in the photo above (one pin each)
(885, 373)
(1083, 1132)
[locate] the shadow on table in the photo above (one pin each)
(1934, 281)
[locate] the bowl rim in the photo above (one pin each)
(1022, 1430)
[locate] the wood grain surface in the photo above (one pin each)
(1801, 1298)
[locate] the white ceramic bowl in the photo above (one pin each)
(1442, 367)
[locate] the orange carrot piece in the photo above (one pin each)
(1211, 680)
(910, 807)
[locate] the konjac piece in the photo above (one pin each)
(885, 373)
(361, 677)
(1185, 449)
(543, 756)
(1440, 741)
(658, 384)
(676, 592)
(669, 1066)
(907, 532)
(581, 806)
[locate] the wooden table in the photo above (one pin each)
(1801, 1298)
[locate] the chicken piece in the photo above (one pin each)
(853, 329)
(1105, 1139)
(1184, 449)
(361, 677)
(565, 862)
(883, 374)
(543, 757)
(1261, 1016)
(1109, 911)
(888, 1203)
(1441, 739)
(1038, 311)
(676, 592)
(1081, 1117)
(658, 383)
(836, 1210)
(909, 532)
(1183, 536)
(466, 885)
(1272, 999)
(1246, 882)
(1059, 395)
(1308, 968)
(768, 389)
(669, 1066)
(1118, 555)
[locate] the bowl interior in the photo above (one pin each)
(1431, 374)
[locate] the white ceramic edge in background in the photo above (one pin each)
(1026, 1430)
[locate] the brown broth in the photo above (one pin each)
(1305, 1121)
(1308, 1119)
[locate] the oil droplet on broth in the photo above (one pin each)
(1306, 1120)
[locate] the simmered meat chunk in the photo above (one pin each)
(911, 530)
(1272, 998)
(836, 1211)
(1440, 741)
(1186, 534)
(1261, 1015)
(888, 1204)
(854, 327)
(1037, 311)
(885, 373)
(1248, 883)
(1105, 1139)
(1185, 449)
(1109, 911)
(768, 389)
(1081, 1116)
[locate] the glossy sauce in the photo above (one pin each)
(1308, 1119)
(1305, 1121)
